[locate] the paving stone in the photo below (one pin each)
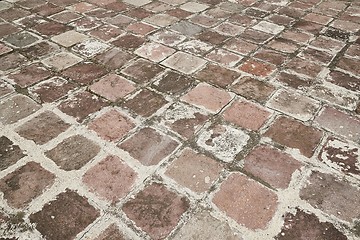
(203, 226)
(246, 201)
(137, 3)
(153, 101)
(5, 89)
(283, 45)
(240, 46)
(294, 81)
(13, 14)
(112, 232)
(294, 104)
(51, 90)
(204, 21)
(39, 50)
(4, 49)
(183, 119)
(178, 13)
(195, 47)
(81, 105)
(246, 115)
(223, 141)
(316, 56)
(42, 128)
(82, 7)
(154, 52)
(104, 178)
(69, 38)
(61, 60)
(340, 122)
(65, 16)
(114, 58)
(307, 26)
(229, 29)
(297, 36)
(139, 13)
(268, 27)
(112, 125)
(343, 156)
(73, 152)
(85, 72)
(24, 184)
(211, 37)
(30, 74)
(257, 68)
(319, 192)
(253, 89)
(349, 64)
(217, 75)
(303, 225)
(156, 210)
(331, 45)
(186, 28)
(90, 48)
(11, 61)
(140, 28)
(129, 42)
(9, 153)
(21, 39)
(30, 3)
(149, 147)
(167, 38)
(16, 108)
(305, 67)
(224, 57)
(296, 135)
(161, 20)
(173, 83)
(101, 13)
(194, 171)
(142, 71)
(193, 7)
(51, 28)
(344, 80)
(271, 165)
(106, 32)
(208, 97)
(64, 217)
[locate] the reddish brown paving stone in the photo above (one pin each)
(217, 75)
(4, 49)
(257, 68)
(194, 171)
(270, 56)
(31, 3)
(343, 156)
(51, 28)
(106, 32)
(328, 44)
(315, 55)
(13, 14)
(114, 58)
(349, 64)
(305, 67)
(294, 134)
(255, 37)
(155, 52)
(81, 105)
(138, 13)
(111, 233)
(84, 73)
(302, 225)
(111, 178)
(5, 89)
(140, 28)
(294, 81)
(332, 195)
(142, 71)
(340, 123)
(25, 184)
(128, 42)
(51, 90)
(240, 46)
(7, 29)
(211, 37)
(173, 83)
(254, 118)
(39, 50)
(30, 74)
(112, 125)
(149, 146)
(73, 152)
(271, 165)
(344, 80)
(64, 217)
(151, 99)
(252, 88)
(246, 201)
(307, 26)
(42, 128)
(16, 108)
(11, 61)
(65, 17)
(47, 9)
(156, 210)
(9, 153)
(224, 57)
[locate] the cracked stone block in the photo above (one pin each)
(111, 178)
(81, 105)
(184, 119)
(43, 128)
(64, 217)
(340, 122)
(113, 87)
(16, 108)
(302, 225)
(246, 115)
(73, 152)
(223, 141)
(247, 202)
(340, 155)
(295, 134)
(271, 165)
(215, 74)
(294, 104)
(112, 125)
(9, 153)
(156, 210)
(204, 226)
(149, 147)
(194, 171)
(207, 97)
(30, 74)
(25, 184)
(319, 192)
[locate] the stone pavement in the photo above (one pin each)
(180, 119)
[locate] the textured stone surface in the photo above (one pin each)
(9, 153)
